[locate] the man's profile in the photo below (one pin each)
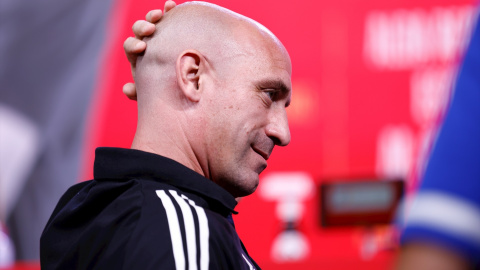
(212, 89)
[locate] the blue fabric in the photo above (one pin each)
(454, 165)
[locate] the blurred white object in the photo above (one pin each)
(289, 210)
(290, 245)
(289, 190)
(281, 186)
(19, 143)
(429, 94)
(7, 255)
(395, 149)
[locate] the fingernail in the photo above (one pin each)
(140, 45)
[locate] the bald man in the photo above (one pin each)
(212, 89)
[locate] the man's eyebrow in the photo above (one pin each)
(274, 84)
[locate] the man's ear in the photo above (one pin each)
(190, 68)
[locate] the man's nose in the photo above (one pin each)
(278, 128)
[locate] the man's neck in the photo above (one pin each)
(174, 148)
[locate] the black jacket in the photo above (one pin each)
(143, 211)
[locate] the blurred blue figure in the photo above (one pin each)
(443, 225)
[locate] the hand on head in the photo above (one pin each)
(134, 46)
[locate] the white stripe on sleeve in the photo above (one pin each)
(249, 264)
(204, 234)
(174, 226)
(447, 213)
(189, 230)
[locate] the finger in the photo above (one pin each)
(143, 28)
(130, 91)
(133, 47)
(154, 16)
(169, 5)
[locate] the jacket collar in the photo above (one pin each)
(121, 163)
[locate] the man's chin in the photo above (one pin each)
(244, 193)
(244, 188)
(240, 183)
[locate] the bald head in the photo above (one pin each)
(219, 34)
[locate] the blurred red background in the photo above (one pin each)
(370, 79)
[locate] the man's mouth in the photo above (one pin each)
(261, 153)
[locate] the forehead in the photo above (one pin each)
(269, 67)
(258, 41)
(254, 57)
(263, 56)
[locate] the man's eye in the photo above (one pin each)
(271, 94)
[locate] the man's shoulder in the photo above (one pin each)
(96, 221)
(138, 223)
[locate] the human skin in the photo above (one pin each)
(428, 256)
(212, 91)
(134, 46)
